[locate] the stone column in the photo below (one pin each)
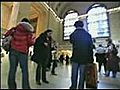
(14, 14)
(19, 11)
(40, 25)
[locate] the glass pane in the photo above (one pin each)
(98, 22)
(70, 19)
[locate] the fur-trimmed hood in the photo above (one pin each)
(27, 26)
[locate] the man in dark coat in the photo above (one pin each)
(82, 54)
(42, 54)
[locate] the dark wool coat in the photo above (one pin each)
(113, 62)
(100, 57)
(82, 46)
(42, 52)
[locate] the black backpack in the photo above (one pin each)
(6, 42)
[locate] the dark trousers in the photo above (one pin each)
(49, 61)
(41, 69)
(77, 69)
(54, 66)
(100, 58)
(67, 61)
(53, 70)
(114, 73)
(100, 64)
(15, 58)
(49, 64)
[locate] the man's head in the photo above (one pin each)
(49, 32)
(79, 24)
(25, 20)
(109, 40)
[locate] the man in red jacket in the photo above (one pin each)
(22, 40)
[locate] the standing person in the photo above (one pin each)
(54, 57)
(67, 59)
(100, 57)
(53, 47)
(41, 52)
(49, 62)
(22, 40)
(82, 54)
(55, 60)
(112, 59)
(61, 58)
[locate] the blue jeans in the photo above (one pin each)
(16, 57)
(114, 73)
(77, 68)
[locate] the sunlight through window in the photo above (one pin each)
(97, 21)
(69, 21)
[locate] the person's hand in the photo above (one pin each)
(46, 44)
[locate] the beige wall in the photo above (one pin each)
(54, 25)
(38, 11)
(5, 15)
(115, 26)
(24, 10)
(42, 22)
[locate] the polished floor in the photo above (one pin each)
(61, 81)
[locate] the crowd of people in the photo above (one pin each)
(45, 54)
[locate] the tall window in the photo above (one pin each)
(97, 21)
(69, 21)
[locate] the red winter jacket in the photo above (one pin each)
(22, 37)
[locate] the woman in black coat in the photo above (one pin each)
(41, 54)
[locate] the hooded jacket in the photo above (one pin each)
(22, 37)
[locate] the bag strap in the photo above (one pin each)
(13, 32)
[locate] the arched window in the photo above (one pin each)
(97, 20)
(69, 21)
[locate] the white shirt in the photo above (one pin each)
(100, 50)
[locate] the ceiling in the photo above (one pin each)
(62, 7)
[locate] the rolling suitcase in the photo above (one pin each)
(91, 76)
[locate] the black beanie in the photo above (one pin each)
(48, 30)
(25, 20)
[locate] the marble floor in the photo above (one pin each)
(61, 81)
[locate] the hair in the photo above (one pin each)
(25, 20)
(48, 30)
(109, 40)
(100, 45)
(79, 23)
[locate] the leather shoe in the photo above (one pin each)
(38, 83)
(46, 81)
(54, 74)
